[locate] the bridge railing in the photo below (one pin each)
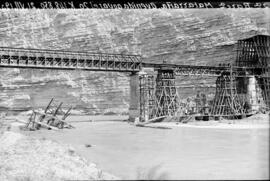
(34, 58)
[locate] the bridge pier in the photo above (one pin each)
(141, 102)
(252, 93)
(147, 97)
(134, 107)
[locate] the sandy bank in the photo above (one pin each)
(26, 158)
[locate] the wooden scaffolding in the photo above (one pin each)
(166, 93)
(235, 85)
(158, 97)
(226, 102)
(253, 56)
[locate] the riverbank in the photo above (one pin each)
(131, 152)
(257, 121)
(28, 158)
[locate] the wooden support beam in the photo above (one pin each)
(57, 109)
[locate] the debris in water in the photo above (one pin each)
(50, 118)
(88, 145)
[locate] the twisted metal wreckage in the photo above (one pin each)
(50, 118)
(241, 87)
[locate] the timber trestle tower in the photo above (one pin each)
(241, 87)
(238, 84)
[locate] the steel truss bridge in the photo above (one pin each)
(195, 70)
(68, 60)
(71, 60)
(252, 60)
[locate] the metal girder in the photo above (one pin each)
(190, 70)
(218, 70)
(199, 71)
(49, 59)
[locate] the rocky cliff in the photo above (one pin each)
(196, 37)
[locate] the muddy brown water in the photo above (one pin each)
(182, 152)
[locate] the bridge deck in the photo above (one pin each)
(190, 69)
(71, 60)
(196, 70)
(50, 59)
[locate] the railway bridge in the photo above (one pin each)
(153, 96)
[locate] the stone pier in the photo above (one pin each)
(134, 106)
(135, 97)
(252, 93)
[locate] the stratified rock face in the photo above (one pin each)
(197, 37)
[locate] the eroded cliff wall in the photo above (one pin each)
(197, 37)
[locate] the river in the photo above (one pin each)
(179, 153)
